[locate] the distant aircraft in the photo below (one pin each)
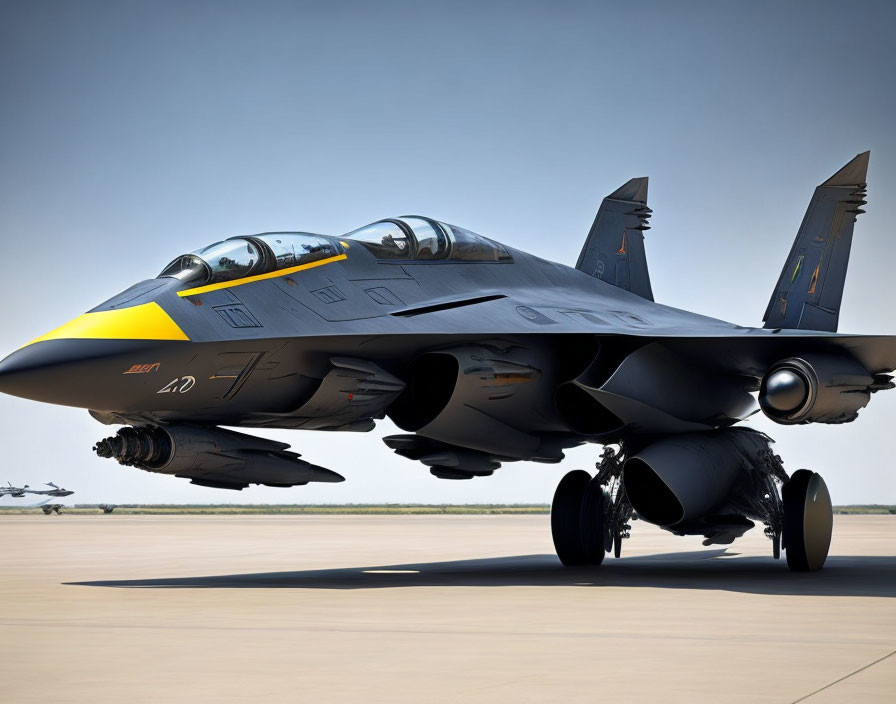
(55, 491)
(14, 491)
(483, 354)
(44, 506)
(106, 508)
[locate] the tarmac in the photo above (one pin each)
(432, 609)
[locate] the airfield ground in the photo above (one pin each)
(431, 609)
(351, 509)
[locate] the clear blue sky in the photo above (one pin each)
(133, 131)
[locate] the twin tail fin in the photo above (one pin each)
(810, 288)
(614, 250)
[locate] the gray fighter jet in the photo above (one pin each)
(55, 491)
(482, 354)
(14, 491)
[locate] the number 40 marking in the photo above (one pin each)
(178, 386)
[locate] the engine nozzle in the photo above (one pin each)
(146, 446)
(785, 390)
(816, 388)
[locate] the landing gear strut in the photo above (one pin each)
(619, 512)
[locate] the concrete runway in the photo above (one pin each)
(432, 609)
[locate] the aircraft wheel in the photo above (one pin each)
(594, 523)
(566, 518)
(808, 521)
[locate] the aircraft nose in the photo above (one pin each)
(81, 363)
(14, 369)
(66, 372)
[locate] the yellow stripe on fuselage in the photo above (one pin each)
(259, 277)
(147, 321)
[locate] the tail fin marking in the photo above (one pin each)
(614, 250)
(810, 289)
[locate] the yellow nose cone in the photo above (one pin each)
(148, 321)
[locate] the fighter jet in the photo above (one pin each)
(14, 491)
(55, 491)
(483, 354)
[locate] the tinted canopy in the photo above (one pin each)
(417, 238)
(238, 257)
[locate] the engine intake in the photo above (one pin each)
(816, 388)
(477, 396)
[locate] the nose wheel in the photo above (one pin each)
(578, 520)
(808, 521)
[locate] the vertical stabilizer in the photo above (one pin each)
(614, 250)
(808, 293)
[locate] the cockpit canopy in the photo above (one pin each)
(418, 238)
(239, 257)
(408, 237)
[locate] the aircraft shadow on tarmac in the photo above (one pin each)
(709, 569)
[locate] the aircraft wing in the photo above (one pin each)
(753, 354)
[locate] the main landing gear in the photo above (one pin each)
(578, 520)
(800, 519)
(808, 521)
(590, 516)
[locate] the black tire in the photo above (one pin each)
(593, 524)
(566, 518)
(808, 521)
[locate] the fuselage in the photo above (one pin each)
(481, 355)
(249, 351)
